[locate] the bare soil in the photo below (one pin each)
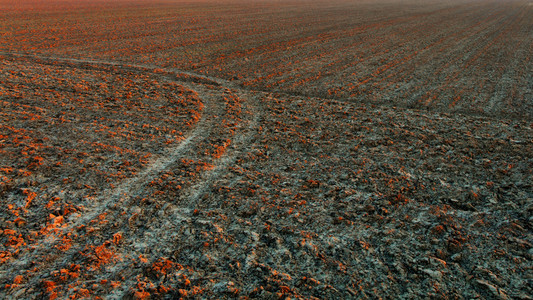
(143, 179)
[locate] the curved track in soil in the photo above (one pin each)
(212, 92)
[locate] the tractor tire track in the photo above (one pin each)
(164, 231)
(127, 191)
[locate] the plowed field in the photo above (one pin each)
(266, 149)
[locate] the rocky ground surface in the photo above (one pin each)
(140, 182)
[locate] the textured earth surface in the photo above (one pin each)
(124, 178)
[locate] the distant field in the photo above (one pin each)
(266, 149)
(472, 56)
